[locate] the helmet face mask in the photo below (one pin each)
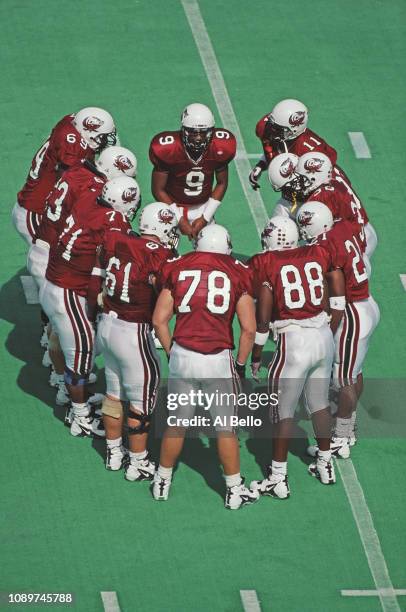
(196, 141)
(277, 133)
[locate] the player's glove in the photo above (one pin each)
(240, 369)
(255, 367)
(254, 176)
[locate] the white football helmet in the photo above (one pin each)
(116, 161)
(214, 239)
(279, 233)
(197, 128)
(281, 171)
(314, 169)
(286, 121)
(96, 126)
(314, 219)
(123, 194)
(158, 220)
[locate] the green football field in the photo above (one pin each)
(69, 525)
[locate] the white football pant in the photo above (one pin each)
(37, 261)
(25, 222)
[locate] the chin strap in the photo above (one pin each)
(294, 203)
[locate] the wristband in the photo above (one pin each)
(261, 338)
(337, 303)
(210, 209)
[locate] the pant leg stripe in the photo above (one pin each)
(83, 354)
(154, 367)
(76, 332)
(88, 330)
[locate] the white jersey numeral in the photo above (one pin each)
(55, 215)
(194, 181)
(362, 275)
(111, 280)
(39, 158)
(212, 290)
(296, 285)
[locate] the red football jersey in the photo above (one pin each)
(342, 242)
(296, 277)
(189, 182)
(64, 147)
(130, 261)
(71, 261)
(344, 204)
(72, 184)
(304, 143)
(206, 288)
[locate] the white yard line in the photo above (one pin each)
(250, 601)
(368, 592)
(355, 494)
(226, 111)
(360, 145)
(368, 535)
(403, 280)
(110, 601)
(30, 289)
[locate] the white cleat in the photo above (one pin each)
(55, 379)
(46, 360)
(275, 485)
(239, 496)
(87, 426)
(139, 469)
(161, 487)
(115, 458)
(352, 440)
(340, 448)
(92, 378)
(323, 470)
(62, 397)
(44, 339)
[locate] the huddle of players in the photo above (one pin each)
(74, 211)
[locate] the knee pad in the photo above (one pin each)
(112, 407)
(73, 379)
(144, 423)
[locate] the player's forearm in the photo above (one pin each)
(161, 195)
(246, 343)
(219, 191)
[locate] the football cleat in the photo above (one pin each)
(46, 360)
(62, 397)
(352, 440)
(44, 339)
(87, 426)
(323, 470)
(274, 485)
(161, 487)
(55, 379)
(92, 378)
(340, 448)
(67, 421)
(139, 469)
(239, 496)
(115, 458)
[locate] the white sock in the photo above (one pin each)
(233, 480)
(324, 455)
(61, 379)
(164, 472)
(80, 409)
(353, 419)
(114, 443)
(280, 467)
(138, 456)
(343, 427)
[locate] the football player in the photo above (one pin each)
(185, 163)
(84, 176)
(293, 297)
(284, 130)
(63, 293)
(129, 263)
(318, 182)
(359, 313)
(75, 137)
(205, 289)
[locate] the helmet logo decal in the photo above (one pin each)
(129, 195)
(92, 124)
(305, 218)
(268, 230)
(313, 165)
(297, 118)
(123, 163)
(286, 168)
(165, 216)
